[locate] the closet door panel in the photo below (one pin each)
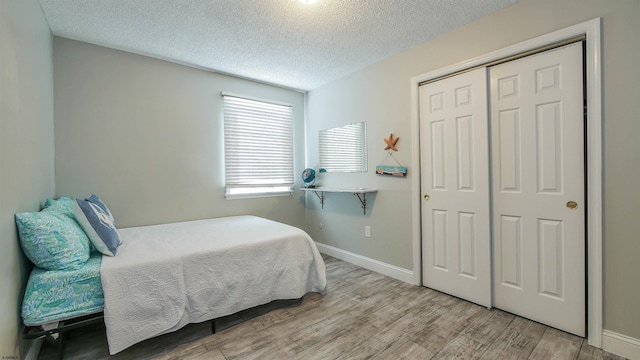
(537, 126)
(438, 141)
(510, 245)
(466, 163)
(455, 185)
(467, 247)
(549, 143)
(508, 147)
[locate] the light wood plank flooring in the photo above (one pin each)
(364, 315)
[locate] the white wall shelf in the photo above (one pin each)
(360, 193)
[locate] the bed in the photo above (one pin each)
(166, 276)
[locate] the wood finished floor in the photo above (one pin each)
(365, 315)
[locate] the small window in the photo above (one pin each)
(344, 148)
(258, 143)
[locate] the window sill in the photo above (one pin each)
(257, 195)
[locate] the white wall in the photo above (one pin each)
(380, 95)
(146, 136)
(26, 145)
(366, 97)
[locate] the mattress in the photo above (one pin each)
(54, 295)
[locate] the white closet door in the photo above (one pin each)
(456, 248)
(538, 187)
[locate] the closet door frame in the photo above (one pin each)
(591, 30)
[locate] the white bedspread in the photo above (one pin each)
(166, 276)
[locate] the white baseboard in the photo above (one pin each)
(367, 263)
(621, 345)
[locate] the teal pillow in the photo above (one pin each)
(52, 240)
(63, 205)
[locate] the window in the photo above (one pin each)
(258, 143)
(344, 148)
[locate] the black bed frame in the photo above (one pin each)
(36, 332)
(64, 326)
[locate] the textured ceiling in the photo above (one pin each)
(283, 42)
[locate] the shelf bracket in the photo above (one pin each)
(363, 201)
(320, 197)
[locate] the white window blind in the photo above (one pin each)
(258, 142)
(344, 148)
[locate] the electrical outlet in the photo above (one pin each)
(367, 231)
(320, 225)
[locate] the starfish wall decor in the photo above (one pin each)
(391, 143)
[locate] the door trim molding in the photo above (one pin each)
(593, 47)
